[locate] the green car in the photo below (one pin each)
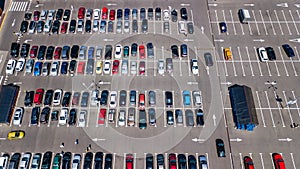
(126, 51)
(56, 161)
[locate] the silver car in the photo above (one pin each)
(124, 67)
(119, 27)
(82, 52)
(80, 25)
(29, 66)
(152, 98)
(135, 26)
(152, 118)
(169, 65)
(145, 25)
(161, 67)
(166, 27)
(126, 26)
(133, 67)
(123, 95)
(189, 117)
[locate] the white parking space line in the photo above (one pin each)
(241, 160)
(253, 14)
(231, 161)
(250, 30)
(234, 71)
(286, 22)
(222, 103)
(261, 112)
(268, 67)
(249, 60)
(258, 62)
(297, 53)
(262, 161)
(278, 22)
(233, 23)
(192, 16)
(293, 161)
(180, 67)
(279, 110)
(296, 102)
(224, 21)
(217, 21)
(289, 111)
(271, 113)
(295, 72)
(268, 13)
(262, 19)
(225, 67)
(287, 73)
(294, 22)
(239, 51)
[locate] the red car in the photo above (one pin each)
(81, 13)
(112, 14)
(36, 15)
(172, 161)
(101, 116)
(104, 13)
(129, 161)
(57, 53)
(115, 68)
(142, 51)
(142, 68)
(64, 27)
(248, 163)
(38, 96)
(33, 51)
(278, 161)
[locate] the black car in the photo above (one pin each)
(72, 117)
(134, 47)
(108, 161)
(288, 50)
(48, 97)
(66, 99)
(72, 67)
(150, 13)
(192, 162)
(110, 26)
(183, 13)
(28, 98)
(64, 68)
(119, 14)
(25, 50)
(199, 117)
(14, 49)
(40, 26)
(24, 26)
(160, 160)
(41, 52)
(220, 148)
(149, 161)
(104, 97)
(174, 49)
(35, 115)
(27, 16)
(59, 14)
(108, 52)
(174, 15)
(74, 51)
(271, 53)
(169, 99)
(45, 115)
(181, 161)
(142, 13)
(54, 115)
(88, 26)
(66, 162)
(98, 161)
(88, 159)
(84, 99)
(72, 26)
(49, 52)
(14, 161)
(67, 13)
(55, 26)
(157, 13)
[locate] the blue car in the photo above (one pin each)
(223, 27)
(37, 68)
(126, 14)
(288, 50)
(186, 97)
(64, 68)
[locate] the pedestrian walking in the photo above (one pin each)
(76, 141)
(62, 145)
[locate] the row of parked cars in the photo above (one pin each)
(98, 160)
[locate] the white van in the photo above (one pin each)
(244, 15)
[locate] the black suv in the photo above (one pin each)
(14, 49)
(41, 52)
(59, 14)
(49, 52)
(72, 117)
(24, 50)
(28, 98)
(74, 51)
(48, 97)
(66, 99)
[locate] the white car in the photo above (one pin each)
(133, 67)
(25, 160)
(20, 64)
(63, 116)
(18, 116)
(94, 98)
(166, 15)
(118, 53)
(161, 67)
(106, 68)
(76, 161)
(96, 14)
(80, 25)
(47, 26)
(81, 118)
(57, 97)
(11, 64)
(194, 66)
(51, 14)
(113, 99)
(126, 26)
(29, 66)
(54, 68)
(122, 115)
(262, 53)
(95, 25)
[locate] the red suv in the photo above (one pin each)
(172, 161)
(142, 51)
(248, 163)
(64, 27)
(115, 68)
(81, 13)
(129, 161)
(104, 13)
(278, 161)
(38, 96)
(57, 53)
(101, 116)
(33, 51)
(112, 14)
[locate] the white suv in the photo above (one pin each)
(194, 66)
(63, 116)
(81, 119)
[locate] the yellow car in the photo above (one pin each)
(99, 67)
(227, 54)
(16, 135)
